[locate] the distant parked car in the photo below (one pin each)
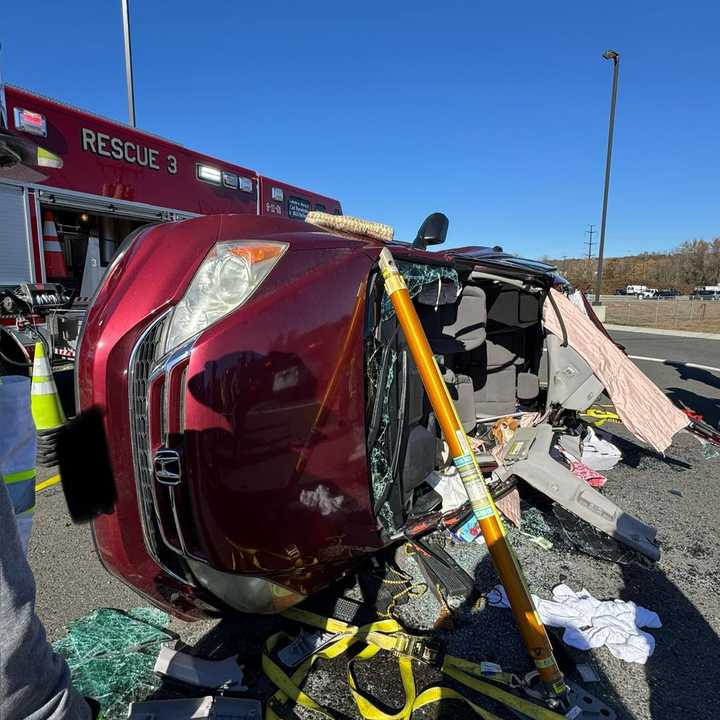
(668, 293)
(647, 294)
(706, 295)
(621, 291)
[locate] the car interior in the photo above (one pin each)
(487, 337)
(484, 322)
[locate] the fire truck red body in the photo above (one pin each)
(98, 180)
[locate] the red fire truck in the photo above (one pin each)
(73, 185)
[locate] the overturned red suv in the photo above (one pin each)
(266, 424)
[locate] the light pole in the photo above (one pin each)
(615, 57)
(128, 62)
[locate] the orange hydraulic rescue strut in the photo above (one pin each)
(531, 628)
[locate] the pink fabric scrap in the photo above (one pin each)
(509, 506)
(579, 468)
(590, 476)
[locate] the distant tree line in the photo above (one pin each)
(693, 263)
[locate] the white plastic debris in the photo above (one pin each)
(449, 486)
(598, 453)
(211, 674)
(591, 623)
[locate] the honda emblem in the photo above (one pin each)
(167, 467)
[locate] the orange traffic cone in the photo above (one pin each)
(54, 256)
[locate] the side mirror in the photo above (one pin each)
(433, 231)
(16, 150)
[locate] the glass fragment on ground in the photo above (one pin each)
(111, 655)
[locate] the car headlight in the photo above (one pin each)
(227, 277)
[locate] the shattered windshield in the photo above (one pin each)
(418, 277)
(385, 377)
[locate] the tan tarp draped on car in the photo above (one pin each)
(642, 406)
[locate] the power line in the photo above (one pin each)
(589, 241)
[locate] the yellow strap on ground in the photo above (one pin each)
(387, 635)
(601, 415)
(387, 625)
(369, 710)
(452, 668)
(54, 480)
(288, 686)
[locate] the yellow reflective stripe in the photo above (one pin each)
(21, 490)
(40, 378)
(29, 511)
(19, 476)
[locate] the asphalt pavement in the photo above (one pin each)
(678, 493)
(687, 368)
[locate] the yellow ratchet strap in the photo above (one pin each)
(389, 635)
(601, 415)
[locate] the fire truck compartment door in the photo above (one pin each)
(15, 250)
(112, 206)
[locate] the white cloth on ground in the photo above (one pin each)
(591, 623)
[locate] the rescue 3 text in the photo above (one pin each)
(127, 150)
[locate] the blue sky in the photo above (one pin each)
(495, 113)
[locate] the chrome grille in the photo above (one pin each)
(144, 368)
(144, 355)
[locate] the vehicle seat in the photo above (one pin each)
(495, 380)
(500, 367)
(461, 392)
(456, 327)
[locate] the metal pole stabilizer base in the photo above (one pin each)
(592, 708)
(579, 705)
